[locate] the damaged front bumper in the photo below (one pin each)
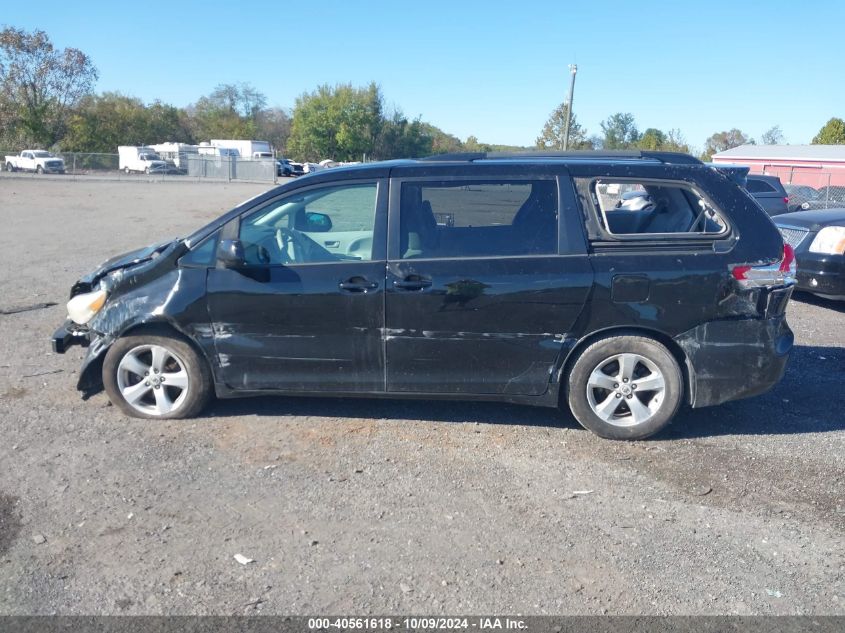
(68, 335)
(738, 358)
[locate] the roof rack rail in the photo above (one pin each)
(670, 158)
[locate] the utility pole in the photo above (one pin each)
(573, 69)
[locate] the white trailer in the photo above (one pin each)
(177, 153)
(140, 158)
(253, 150)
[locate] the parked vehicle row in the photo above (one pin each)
(807, 198)
(618, 285)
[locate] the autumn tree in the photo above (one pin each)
(229, 111)
(772, 136)
(39, 86)
(721, 141)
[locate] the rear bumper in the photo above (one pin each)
(733, 359)
(819, 273)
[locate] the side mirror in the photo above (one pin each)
(312, 222)
(230, 253)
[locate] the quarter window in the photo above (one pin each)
(653, 207)
(327, 224)
(478, 218)
(753, 185)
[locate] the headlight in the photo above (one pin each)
(830, 240)
(82, 308)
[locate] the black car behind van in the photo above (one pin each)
(620, 285)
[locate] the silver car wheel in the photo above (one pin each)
(625, 390)
(152, 379)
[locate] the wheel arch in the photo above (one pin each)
(687, 371)
(91, 376)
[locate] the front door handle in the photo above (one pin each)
(412, 283)
(357, 284)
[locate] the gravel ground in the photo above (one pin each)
(388, 507)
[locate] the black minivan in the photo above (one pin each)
(620, 284)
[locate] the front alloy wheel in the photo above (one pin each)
(156, 377)
(152, 379)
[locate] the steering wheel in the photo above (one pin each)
(291, 245)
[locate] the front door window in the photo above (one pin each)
(328, 224)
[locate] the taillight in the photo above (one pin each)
(781, 273)
(786, 199)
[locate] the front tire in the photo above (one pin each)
(156, 377)
(625, 387)
(39, 169)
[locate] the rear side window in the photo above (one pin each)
(478, 218)
(630, 207)
(759, 186)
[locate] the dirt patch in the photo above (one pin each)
(13, 393)
(10, 521)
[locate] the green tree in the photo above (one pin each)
(620, 131)
(652, 139)
(441, 142)
(832, 133)
(103, 122)
(472, 144)
(772, 136)
(658, 140)
(39, 86)
(555, 128)
(721, 141)
(400, 138)
(340, 122)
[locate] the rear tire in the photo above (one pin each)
(625, 387)
(156, 377)
(10, 167)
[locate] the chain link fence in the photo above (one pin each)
(191, 166)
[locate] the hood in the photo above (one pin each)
(132, 258)
(812, 220)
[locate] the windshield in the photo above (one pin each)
(41, 154)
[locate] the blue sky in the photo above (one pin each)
(488, 68)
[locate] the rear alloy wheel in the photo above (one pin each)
(625, 387)
(156, 377)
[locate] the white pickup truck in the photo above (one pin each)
(36, 160)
